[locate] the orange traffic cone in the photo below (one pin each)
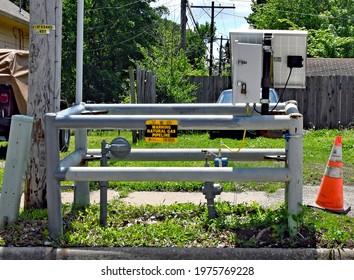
(330, 195)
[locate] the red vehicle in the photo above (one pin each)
(8, 107)
(13, 92)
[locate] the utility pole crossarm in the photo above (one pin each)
(212, 7)
(209, 7)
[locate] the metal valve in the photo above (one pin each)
(119, 148)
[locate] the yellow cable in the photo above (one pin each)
(243, 138)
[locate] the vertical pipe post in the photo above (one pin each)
(103, 186)
(82, 189)
(132, 98)
(16, 163)
(55, 221)
(294, 189)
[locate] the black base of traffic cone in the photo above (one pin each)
(345, 210)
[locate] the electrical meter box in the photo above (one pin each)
(246, 82)
(288, 61)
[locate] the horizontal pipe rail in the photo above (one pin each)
(180, 109)
(185, 122)
(73, 159)
(177, 174)
(194, 154)
(74, 110)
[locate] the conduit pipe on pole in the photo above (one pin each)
(81, 189)
(79, 50)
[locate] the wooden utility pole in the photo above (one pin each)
(43, 90)
(183, 24)
(220, 57)
(211, 40)
(212, 16)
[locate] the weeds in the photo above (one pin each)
(183, 225)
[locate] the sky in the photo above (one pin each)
(224, 19)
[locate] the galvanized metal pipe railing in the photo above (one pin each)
(194, 154)
(175, 174)
(180, 109)
(73, 159)
(61, 170)
(185, 122)
(74, 110)
(176, 109)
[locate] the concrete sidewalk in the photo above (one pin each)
(166, 198)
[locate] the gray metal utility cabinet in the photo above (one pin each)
(189, 117)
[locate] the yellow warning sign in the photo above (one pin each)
(43, 28)
(161, 131)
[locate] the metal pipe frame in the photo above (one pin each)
(180, 109)
(73, 159)
(67, 169)
(185, 122)
(194, 154)
(175, 174)
(242, 109)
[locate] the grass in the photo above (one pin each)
(183, 225)
(317, 148)
(187, 225)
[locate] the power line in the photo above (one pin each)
(113, 7)
(212, 16)
(312, 15)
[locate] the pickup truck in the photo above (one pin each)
(14, 90)
(226, 97)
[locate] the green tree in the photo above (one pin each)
(329, 22)
(171, 65)
(196, 47)
(113, 31)
(25, 4)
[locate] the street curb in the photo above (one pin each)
(172, 253)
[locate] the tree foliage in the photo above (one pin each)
(118, 34)
(25, 4)
(171, 65)
(113, 31)
(196, 48)
(329, 22)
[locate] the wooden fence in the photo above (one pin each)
(209, 87)
(327, 101)
(145, 86)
